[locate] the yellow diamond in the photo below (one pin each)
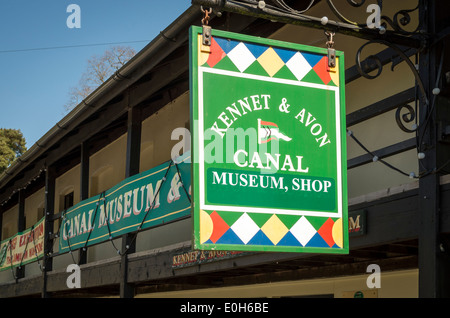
(335, 74)
(274, 229)
(270, 61)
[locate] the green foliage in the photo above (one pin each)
(12, 145)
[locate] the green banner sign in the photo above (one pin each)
(145, 200)
(269, 152)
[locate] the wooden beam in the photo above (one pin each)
(84, 187)
(28, 286)
(345, 269)
(434, 264)
(381, 107)
(133, 142)
(84, 170)
(384, 57)
(133, 155)
(165, 74)
(95, 274)
(20, 271)
(382, 153)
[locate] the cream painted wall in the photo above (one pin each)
(9, 223)
(34, 207)
(396, 284)
(156, 147)
(169, 234)
(106, 169)
(107, 166)
(156, 140)
(65, 184)
(9, 228)
(34, 211)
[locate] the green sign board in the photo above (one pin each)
(145, 200)
(269, 154)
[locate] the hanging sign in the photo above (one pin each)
(145, 200)
(23, 248)
(269, 152)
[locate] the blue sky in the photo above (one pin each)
(34, 84)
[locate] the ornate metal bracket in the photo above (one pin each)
(400, 19)
(278, 10)
(390, 32)
(411, 115)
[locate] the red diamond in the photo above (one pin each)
(216, 53)
(326, 233)
(219, 227)
(321, 69)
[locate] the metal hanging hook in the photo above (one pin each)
(330, 36)
(206, 33)
(207, 13)
(331, 50)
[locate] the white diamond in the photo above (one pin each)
(245, 228)
(241, 57)
(303, 231)
(299, 66)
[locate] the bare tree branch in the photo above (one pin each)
(98, 70)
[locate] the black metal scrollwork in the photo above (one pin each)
(353, 3)
(375, 59)
(372, 66)
(401, 19)
(407, 118)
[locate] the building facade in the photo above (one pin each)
(397, 153)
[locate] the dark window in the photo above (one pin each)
(68, 200)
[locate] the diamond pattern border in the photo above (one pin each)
(276, 229)
(282, 63)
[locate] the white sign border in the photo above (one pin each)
(201, 139)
